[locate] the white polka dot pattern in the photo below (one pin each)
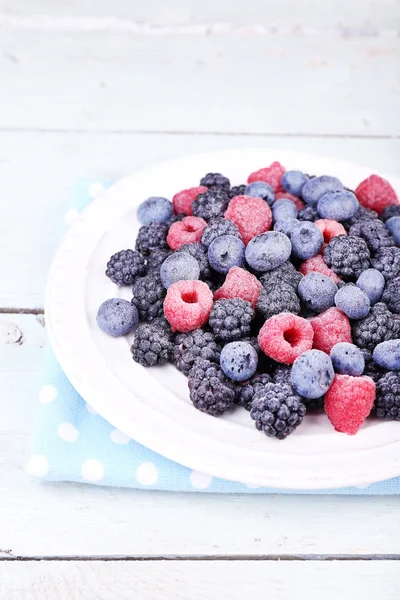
(67, 432)
(48, 393)
(200, 481)
(147, 474)
(92, 470)
(38, 465)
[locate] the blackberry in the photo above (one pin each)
(216, 228)
(379, 326)
(125, 266)
(199, 252)
(156, 259)
(347, 256)
(362, 214)
(151, 237)
(308, 213)
(374, 233)
(175, 218)
(391, 295)
(215, 180)
(245, 393)
(286, 273)
(387, 261)
(190, 346)
(211, 204)
(162, 323)
(237, 190)
(210, 391)
(277, 410)
(387, 403)
(151, 345)
(279, 297)
(282, 374)
(148, 297)
(231, 319)
(393, 210)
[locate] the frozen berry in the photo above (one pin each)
(272, 175)
(239, 283)
(376, 193)
(286, 273)
(316, 187)
(260, 189)
(277, 297)
(231, 319)
(351, 300)
(299, 204)
(187, 231)
(148, 296)
(316, 264)
(151, 345)
(155, 209)
(387, 261)
(286, 226)
(151, 237)
(308, 213)
(117, 317)
(216, 228)
(125, 266)
(268, 251)
(330, 327)
(347, 359)
(387, 355)
(252, 216)
(379, 326)
(362, 214)
(177, 267)
(347, 256)
(210, 391)
(349, 401)
(391, 294)
(371, 282)
(156, 259)
(317, 292)
(374, 233)
(190, 346)
(216, 180)
(387, 404)
(225, 252)
(236, 190)
(210, 205)
(393, 226)
(277, 410)
(293, 181)
(306, 240)
(199, 252)
(187, 305)
(312, 374)
(182, 201)
(239, 361)
(246, 392)
(283, 209)
(329, 230)
(284, 337)
(393, 210)
(339, 205)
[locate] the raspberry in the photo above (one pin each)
(251, 215)
(151, 237)
(329, 230)
(284, 337)
(299, 204)
(187, 305)
(187, 231)
(374, 233)
(210, 391)
(188, 347)
(182, 201)
(376, 193)
(278, 297)
(349, 401)
(277, 410)
(330, 328)
(239, 283)
(210, 205)
(231, 319)
(125, 266)
(387, 261)
(347, 256)
(316, 264)
(272, 175)
(286, 273)
(387, 405)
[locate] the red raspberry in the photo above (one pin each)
(239, 283)
(286, 196)
(187, 305)
(316, 264)
(187, 231)
(285, 336)
(182, 201)
(349, 401)
(272, 175)
(376, 193)
(252, 216)
(330, 328)
(329, 230)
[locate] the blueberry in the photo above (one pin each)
(117, 317)
(283, 209)
(155, 209)
(306, 240)
(268, 251)
(387, 355)
(393, 224)
(293, 181)
(178, 266)
(352, 301)
(225, 252)
(286, 226)
(312, 374)
(239, 360)
(260, 189)
(317, 291)
(316, 187)
(338, 205)
(371, 282)
(347, 359)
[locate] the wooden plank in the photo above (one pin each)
(37, 172)
(200, 580)
(244, 84)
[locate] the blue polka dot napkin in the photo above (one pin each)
(73, 443)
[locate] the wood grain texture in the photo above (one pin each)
(101, 81)
(200, 580)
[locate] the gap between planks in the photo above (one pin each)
(208, 558)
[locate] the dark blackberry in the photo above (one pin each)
(277, 410)
(125, 266)
(162, 323)
(231, 319)
(379, 326)
(387, 402)
(308, 213)
(148, 297)
(314, 404)
(211, 204)
(391, 295)
(190, 346)
(374, 233)
(282, 374)
(217, 227)
(393, 210)
(347, 256)
(151, 237)
(216, 180)
(175, 218)
(210, 391)
(151, 345)
(362, 214)
(156, 259)
(279, 297)
(286, 273)
(199, 252)
(387, 261)
(237, 190)
(245, 393)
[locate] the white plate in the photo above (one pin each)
(152, 405)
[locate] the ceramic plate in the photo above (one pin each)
(152, 405)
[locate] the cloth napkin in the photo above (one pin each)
(74, 443)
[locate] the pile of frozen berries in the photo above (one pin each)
(281, 296)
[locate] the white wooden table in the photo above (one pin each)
(109, 87)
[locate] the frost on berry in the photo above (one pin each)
(376, 193)
(187, 231)
(252, 216)
(287, 196)
(239, 283)
(285, 336)
(316, 264)
(329, 230)
(349, 401)
(272, 175)
(330, 328)
(187, 305)
(182, 201)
